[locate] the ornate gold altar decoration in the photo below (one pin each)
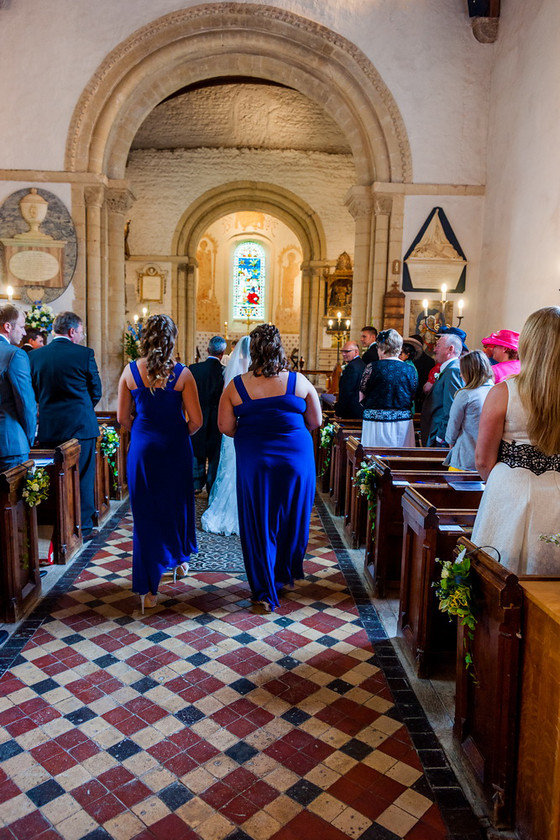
(287, 313)
(436, 258)
(338, 290)
(207, 306)
(34, 259)
(152, 281)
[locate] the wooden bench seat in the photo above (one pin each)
(61, 509)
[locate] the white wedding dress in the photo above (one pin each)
(220, 517)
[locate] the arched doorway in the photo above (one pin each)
(231, 40)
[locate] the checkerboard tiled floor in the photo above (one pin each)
(201, 720)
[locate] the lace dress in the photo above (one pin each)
(220, 517)
(521, 500)
(389, 386)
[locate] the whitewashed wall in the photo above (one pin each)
(521, 255)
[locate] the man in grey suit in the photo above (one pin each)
(18, 409)
(437, 405)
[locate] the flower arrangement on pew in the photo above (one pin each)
(109, 445)
(37, 485)
(550, 538)
(131, 340)
(455, 595)
(40, 317)
(366, 482)
(327, 438)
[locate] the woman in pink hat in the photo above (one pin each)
(505, 353)
(518, 454)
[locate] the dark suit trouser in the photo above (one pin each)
(87, 483)
(9, 461)
(205, 475)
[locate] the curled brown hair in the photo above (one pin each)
(476, 370)
(156, 346)
(267, 353)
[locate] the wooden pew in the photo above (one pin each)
(383, 536)
(19, 570)
(487, 711)
(337, 476)
(62, 508)
(119, 483)
(102, 486)
(432, 524)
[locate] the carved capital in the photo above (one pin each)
(119, 200)
(359, 201)
(383, 205)
(94, 196)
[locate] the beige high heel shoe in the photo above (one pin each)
(184, 567)
(148, 600)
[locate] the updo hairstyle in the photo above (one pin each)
(267, 353)
(390, 342)
(157, 344)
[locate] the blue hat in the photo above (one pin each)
(455, 331)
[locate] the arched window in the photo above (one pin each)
(249, 281)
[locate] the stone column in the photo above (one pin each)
(305, 311)
(189, 308)
(383, 206)
(94, 198)
(360, 204)
(315, 288)
(119, 201)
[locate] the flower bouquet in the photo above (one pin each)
(40, 317)
(327, 437)
(366, 482)
(36, 488)
(454, 592)
(109, 445)
(131, 341)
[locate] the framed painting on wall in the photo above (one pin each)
(151, 284)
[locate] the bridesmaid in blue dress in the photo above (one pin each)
(270, 412)
(158, 402)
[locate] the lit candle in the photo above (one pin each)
(425, 305)
(136, 319)
(443, 293)
(225, 330)
(144, 312)
(10, 293)
(347, 325)
(460, 304)
(330, 324)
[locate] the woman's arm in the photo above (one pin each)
(312, 415)
(227, 421)
(125, 402)
(491, 429)
(191, 404)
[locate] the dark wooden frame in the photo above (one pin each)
(20, 585)
(62, 508)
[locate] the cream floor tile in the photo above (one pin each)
(195, 812)
(215, 827)
(18, 764)
(351, 822)
(378, 704)
(397, 820)
(261, 826)
(404, 773)
(340, 762)
(314, 726)
(283, 809)
(281, 778)
(380, 761)
(169, 725)
(151, 810)
(124, 826)
(73, 778)
(97, 764)
(60, 808)
(14, 808)
(197, 780)
(413, 803)
(76, 826)
(204, 728)
(33, 738)
(322, 776)
(140, 763)
(373, 737)
(220, 766)
(386, 724)
(32, 776)
(327, 807)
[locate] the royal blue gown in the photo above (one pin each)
(160, 479)
(275, 488)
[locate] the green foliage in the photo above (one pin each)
(131, 340)
(40, 317)
(37, 485)
(366, 482)
(327, 438)
(109, 445)
(454, 592)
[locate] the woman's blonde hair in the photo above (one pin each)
(538, 382)
(157, 344)
(390, 342)
(476, 370)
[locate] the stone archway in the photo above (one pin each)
(221, 40)
(266, 198)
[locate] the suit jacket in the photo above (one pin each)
(371, 354)
(209, 378)
(18, 409)
(67, 387)
(437, 405)
(348, 403)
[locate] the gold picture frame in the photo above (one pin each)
(151, 284)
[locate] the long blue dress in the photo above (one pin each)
(160, 478)
(275, 488)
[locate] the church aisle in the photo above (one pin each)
(201, 720)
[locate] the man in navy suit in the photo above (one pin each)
(67, 386)
(18, 409)
(348, 403)
(368, 337)
(209, 378)
(437, 405)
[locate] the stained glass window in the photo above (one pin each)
(249, 281)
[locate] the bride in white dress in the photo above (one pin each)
(220, 517)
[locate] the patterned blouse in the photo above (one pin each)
(388, 386)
